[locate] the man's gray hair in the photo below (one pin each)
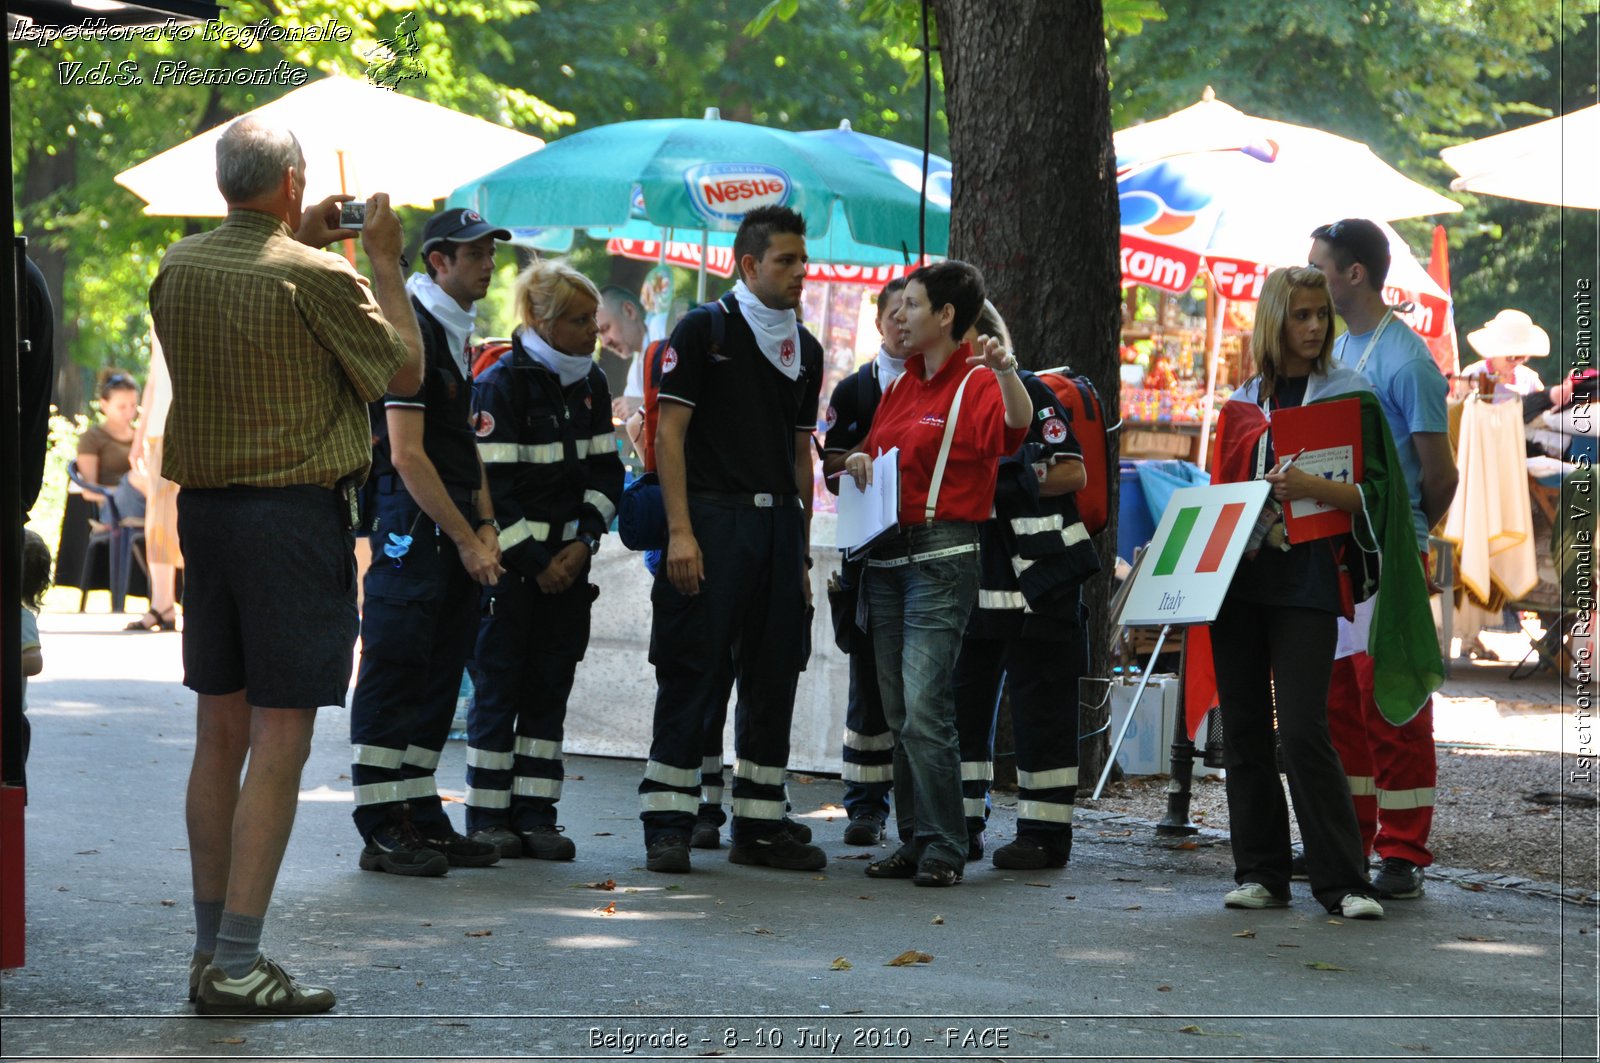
(251, 158)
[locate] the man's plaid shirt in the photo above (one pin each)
(274, 349)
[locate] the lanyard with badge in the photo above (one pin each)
(1372, 341)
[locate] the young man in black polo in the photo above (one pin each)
(738, 403)
(434, 542)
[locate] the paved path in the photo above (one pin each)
(1127, 953)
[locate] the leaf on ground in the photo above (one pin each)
(344, 778)
(1127, 879)
(574, 778)
(602, 834)
(1321, 966)
(168, 904)
(803, 780)
(1244, 933)
(1039, 885)
(227, 1040)
(674, 888)
(840, 964)
(608, 884)
(1134, 908)
(1187, 845)
(609, 909)
(424, 924)
(1459, 937)
(862, 897)
(480, 933)
(1475, 887)
(1163, 989)
(855, 856)
(452, 1024)
(87, 852)
(1336, 922)
(1117, 834)
(937, 920)
(761, 930)
(1281, 946)
(1199, 1032)
(909, 957)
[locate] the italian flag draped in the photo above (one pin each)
(1407, 666)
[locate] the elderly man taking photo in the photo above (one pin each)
(266, 517)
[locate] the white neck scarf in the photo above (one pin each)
(458, 323)
(571, 368)
(777, 331)
(889, 368)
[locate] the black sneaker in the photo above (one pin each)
(780, 849)
(546, 843)
(397, 849)
(1397, 879)
(797, 830)
(866, 828)
(1031, 852)
(461, 851)
(974, 846)
(707, 835)
(936, 873)
(669, 855)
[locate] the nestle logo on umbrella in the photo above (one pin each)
(727, 191)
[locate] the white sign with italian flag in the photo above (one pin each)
(1185, 571)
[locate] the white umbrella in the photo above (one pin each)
(1555, 162)
(357, 138)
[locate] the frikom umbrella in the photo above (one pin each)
(1555, 162)
(357, 138)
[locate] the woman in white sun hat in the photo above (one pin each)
(1506, 343)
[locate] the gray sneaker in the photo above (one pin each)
(198, 961)
(266, 990)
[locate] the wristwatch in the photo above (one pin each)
(590, 541)
(490, 522)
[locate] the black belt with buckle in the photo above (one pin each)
(761, 500)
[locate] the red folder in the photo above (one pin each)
(1326, 437)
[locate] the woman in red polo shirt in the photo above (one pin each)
(958, 409)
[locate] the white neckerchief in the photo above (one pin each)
(570, 368)
(889, 368)
(777, 331)
(1372, 341)
(457, 323)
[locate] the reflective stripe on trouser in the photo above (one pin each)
(868, 743)
(529, 646)
(416, 634)
(747, 621)
(1041, 676)
(712, 784)
(1392, 770)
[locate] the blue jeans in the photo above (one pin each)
(919, 612)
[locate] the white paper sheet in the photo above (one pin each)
(864, 514)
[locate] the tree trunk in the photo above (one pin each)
(1035, 204)
(43, 176)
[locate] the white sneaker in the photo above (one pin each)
(1253, 895)
(1356, 906)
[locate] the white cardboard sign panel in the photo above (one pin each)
(1185, 571)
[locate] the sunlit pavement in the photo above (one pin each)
(1128, 952)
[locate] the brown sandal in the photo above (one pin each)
(154, 621)
(892, 866)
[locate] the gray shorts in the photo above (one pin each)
(269, 600)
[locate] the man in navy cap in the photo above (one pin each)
(434, 543)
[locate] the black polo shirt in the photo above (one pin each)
(746, 413)
(446, 404)
(849, 417)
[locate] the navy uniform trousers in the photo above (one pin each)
(418, 623)
(868, 743)
(529, 646)
(749, 618)
(1042, 676)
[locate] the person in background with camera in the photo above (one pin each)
(868, 742)
(738, 403)
(1028, 632)
(545, 435)
(267, 516)
(958, 409)
(435, 543)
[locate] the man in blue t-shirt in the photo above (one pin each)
(1392, 769)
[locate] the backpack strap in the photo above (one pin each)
(719, 316)
(944, 445)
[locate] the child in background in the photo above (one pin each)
(35, 581)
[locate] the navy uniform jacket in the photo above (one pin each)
(550, 454)
(446, 404)
(1035, 551)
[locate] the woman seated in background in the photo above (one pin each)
(1274, 639)
(955, 412)
(104, 449)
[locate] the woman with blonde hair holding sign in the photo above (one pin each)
(1273, 640)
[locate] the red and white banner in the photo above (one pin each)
(719, 262)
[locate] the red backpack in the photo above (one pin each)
(486, 354)
(1087, 416)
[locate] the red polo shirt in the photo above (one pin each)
(912, 417)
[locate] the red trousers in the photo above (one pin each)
(1392, 769)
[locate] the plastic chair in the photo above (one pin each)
(118, 535)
